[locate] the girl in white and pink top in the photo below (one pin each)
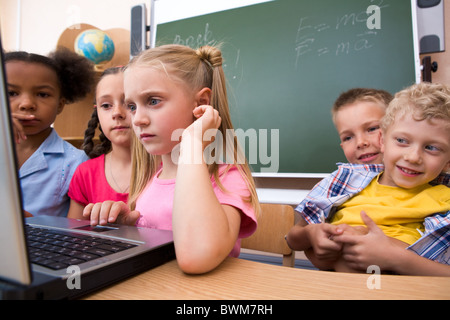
(178, 102)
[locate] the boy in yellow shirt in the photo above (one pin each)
(398, 196)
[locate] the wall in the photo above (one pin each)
(443, 58)
(35, 26)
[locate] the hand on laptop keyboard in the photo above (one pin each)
(110, 212)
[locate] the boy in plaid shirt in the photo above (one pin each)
(363, 214)
(357, 115)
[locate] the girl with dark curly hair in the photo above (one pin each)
(39, 87)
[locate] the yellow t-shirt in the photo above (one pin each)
(398, 212)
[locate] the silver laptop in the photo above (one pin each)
(49, 257)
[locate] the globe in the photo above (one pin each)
(95, 45)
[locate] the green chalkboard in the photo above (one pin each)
(286, 61)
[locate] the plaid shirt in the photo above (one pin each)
(348, 180)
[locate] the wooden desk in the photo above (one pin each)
(242, 279)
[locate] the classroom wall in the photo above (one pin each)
(35, 26)
(443, 58)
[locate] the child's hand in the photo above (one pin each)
(355, 230)
(110, 212)
(199, 134)
(372, 247)
(208, 115)
(207, 119)
(321, 237)
(19, 132)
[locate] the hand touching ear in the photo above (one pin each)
(199, 134)
(208, 118)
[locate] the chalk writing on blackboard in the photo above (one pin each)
(201, 39)
(206, 37)
(311, 40)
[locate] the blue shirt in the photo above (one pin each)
(46, 175)
(348, 180)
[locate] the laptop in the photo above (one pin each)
(47, 257)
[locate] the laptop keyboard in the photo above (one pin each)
(58, 249)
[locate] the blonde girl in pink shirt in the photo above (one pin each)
(175, 94)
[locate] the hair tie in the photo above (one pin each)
(208, 63)
(204, 56)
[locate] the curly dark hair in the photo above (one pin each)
(76, 74)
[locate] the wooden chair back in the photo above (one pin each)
(274, 223)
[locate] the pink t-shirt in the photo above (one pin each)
(156, 201)
(89, 184)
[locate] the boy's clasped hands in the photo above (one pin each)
(355, 245)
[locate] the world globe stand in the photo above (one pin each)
(101, 67)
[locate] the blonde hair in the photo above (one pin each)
(424, 101)
(197, 69)
(380, 97)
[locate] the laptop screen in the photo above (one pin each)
(14, 265)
